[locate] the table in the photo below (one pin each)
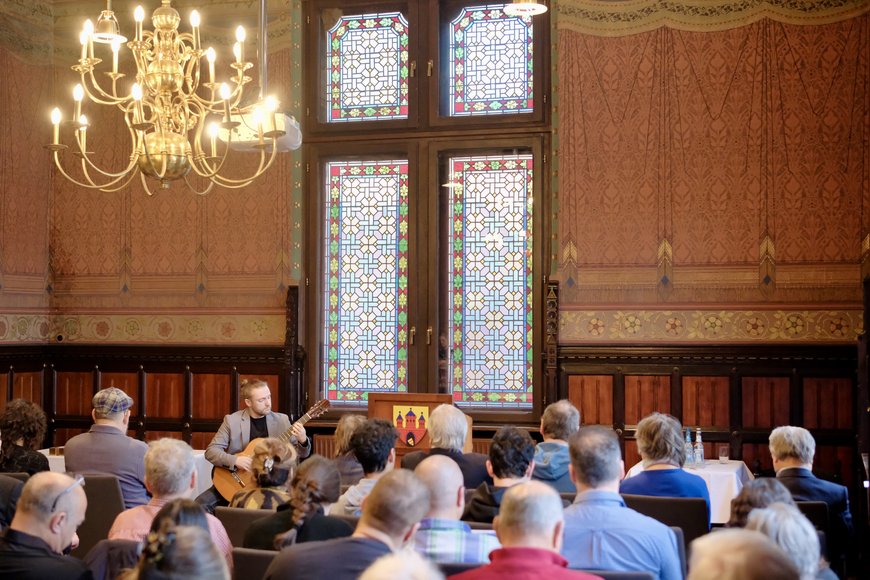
(724, 481)
(201, 464)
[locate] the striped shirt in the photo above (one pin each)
(443, 540)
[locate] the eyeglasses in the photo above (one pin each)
(80, 481)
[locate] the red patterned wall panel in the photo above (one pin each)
(75, 392)
(593, 395)
(765, 401)
(61, 436)
(164, 393)
(828, 403)
(28, 386)
(645, 394)
(127, 382)
(272, 381)
(211, 395)
(705, 401)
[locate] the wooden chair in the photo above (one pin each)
(816, 512)
(479, 525)
(237, 520)
(105, 502)
(687, 513)
(19, 475)
(251, 564)
(681, 549)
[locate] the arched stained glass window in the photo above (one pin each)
(489, 282)
(491, 65)
(366, 279)
(367, 61)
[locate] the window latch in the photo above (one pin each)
(429, 335)
(413, 70)
(411, 334)
(430, 66)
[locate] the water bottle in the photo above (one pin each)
(699, 449)
(690, 452)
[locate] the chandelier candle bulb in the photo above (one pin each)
(138, 112)
(194, 23)
(237, 52)
(225, 96)
(139, 16)
(83, 38)
(55, 121)
(78, 95)
(89, 35)
(213, 133)
(116, 46)
(83, 129)
(210, 55)
(240, 38)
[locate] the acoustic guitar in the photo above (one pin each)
(229, 481)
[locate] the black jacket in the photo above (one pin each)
(10, 491)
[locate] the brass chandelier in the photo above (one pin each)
(175, 109)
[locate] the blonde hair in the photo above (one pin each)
(347, 426)
(273, 462)
(247, 386)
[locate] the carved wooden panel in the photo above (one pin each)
(28, 386)
(631, 455)
(645, 394)
(705, 401)
(74, 393)
(200, 440)
(833, 460)
(272, 381)
(481, 446)
(164, 394)
(127, 382)
(828, 403)
(324, 445)
(765, 401)
(211, 395)
(4, 382)
(593, 395)
(154, 435)
(61, 436)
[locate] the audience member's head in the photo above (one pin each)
(757, 493)
(51, 507)
(273, 463)
(792, 447)
(448, 428)
(660, 440)
(402, 565)
(511, 454)
(180, 512)
(169, 468)
(23, 423)
(530, 516)
(789, 529)
(739, 555)
(445, 482)
(395, 506)
(374, 445)
(317, 484)
(112, 406)
(560, 420)
(596, 459)
(347, 426)
(179, 553)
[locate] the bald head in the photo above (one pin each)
(52, 507)
(530, 516)
(444, 480)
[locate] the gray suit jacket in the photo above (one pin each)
(235, 434)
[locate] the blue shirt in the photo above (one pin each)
(443, 540)
(601, 533)
(667, 483)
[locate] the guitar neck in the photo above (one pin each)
(301, 421)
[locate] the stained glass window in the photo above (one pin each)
(367, 74)
(490, 62)
(489, 318)
(366, 279)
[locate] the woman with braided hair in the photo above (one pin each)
(303, 519)
(179, 553)
(273, 465)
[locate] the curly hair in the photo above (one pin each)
(511, 452)
(22, 420)
(758, 493)
(316, 482)
(372, 443)
(273, 462)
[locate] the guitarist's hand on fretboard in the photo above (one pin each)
(298, 431)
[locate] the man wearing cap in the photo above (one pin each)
(106, 448)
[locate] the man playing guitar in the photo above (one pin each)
(242, 427)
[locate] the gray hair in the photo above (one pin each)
(792, 443)
(595, 455)
(347, 426)
(402, 565)
(738, 554)
(659, 438)
(448, 427)
(168, 467)
(560, 420)
(792, 532)
(530, 509)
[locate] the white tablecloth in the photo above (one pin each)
(724, 482)
(202, 466)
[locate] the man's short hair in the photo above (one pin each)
(248, 386)
(530, 509)
(595, 455)
(397, 501)
(372, 443)
(40, 492)
(168, 466)
(511, 451)
(660, 438)
(792, 443)
(736, 554)
(448, 427)
(789, 529)
(560, 420)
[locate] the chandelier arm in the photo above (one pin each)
(162, 173)
(89, 185)
(145, 185)
(193, 189)
(119, 175)
(226, 181)
(209, 171)
(122, 186)
(112, 98)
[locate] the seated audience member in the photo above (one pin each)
(758, 493)
(106, 448)
(315, 487)
(511, 461)
(179, 553)
(447, 431)
(663, 451)
(601, 533)
(402, 565)
(739, 555)
(169, 475)
(272, 466)
(529, 527)
(51, 508)
(181, 512)
(559, 421)
(390, 516)
(22, 429)
(442, 537)
(789, 529)
(10, 492)
(374, 445)
(348, 466)
(793, 450)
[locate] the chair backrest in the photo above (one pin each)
(109, 557)
(249, 564)
(453, 568)
(237, 520)
(479, 525)
(686, 513)
(105, 502)
(568, 496)
(816, 512)
(19, 475)
(619, 575)
(681, 548)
